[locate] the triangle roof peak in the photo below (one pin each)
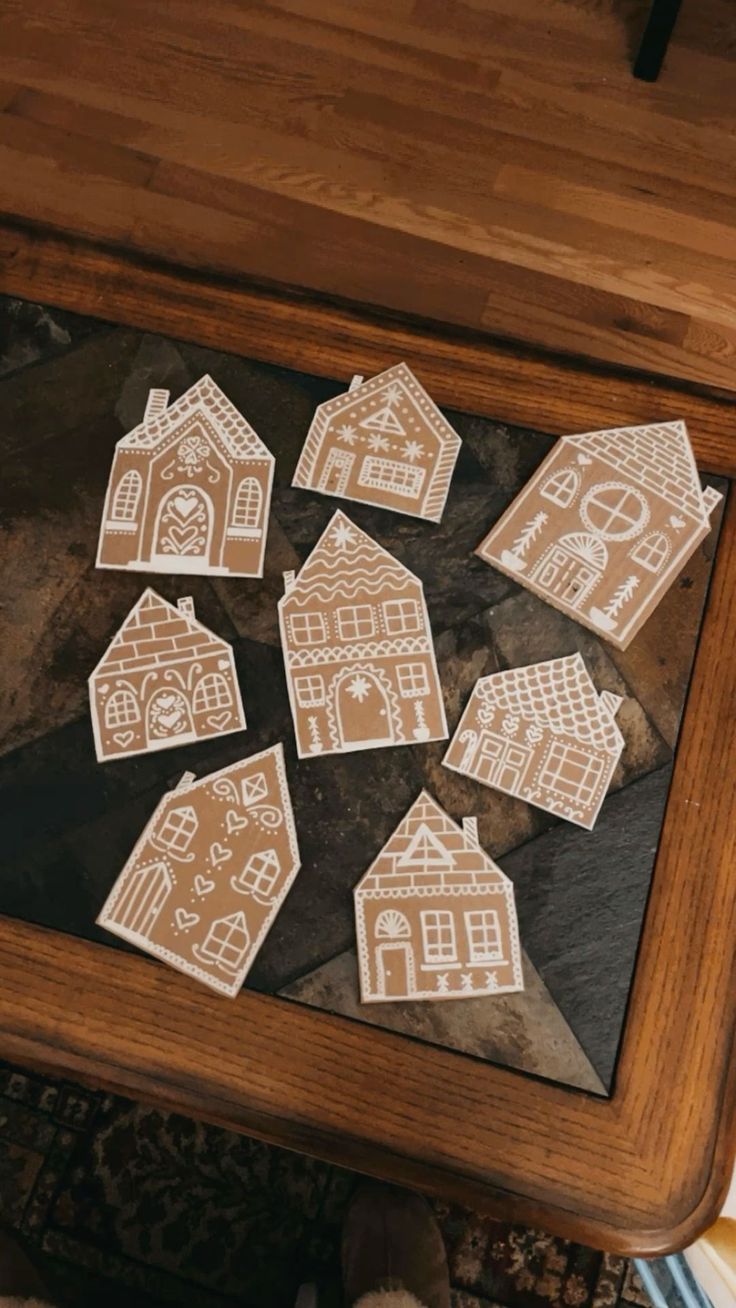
(657, 456)
(345, 555)
(238, 437)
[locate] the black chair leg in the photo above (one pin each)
(653, 48)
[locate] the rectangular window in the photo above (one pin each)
(438, 936)
(390, 475)
(355, 622)
(483, 929)
(307, 628)
(571, 772)
(413, 681)
(310, 691)
(401, 615)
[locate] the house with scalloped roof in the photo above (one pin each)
(358, 649)
(605, 525)
(544, 734)
(435, 916)
(189, 489)
(383, 442)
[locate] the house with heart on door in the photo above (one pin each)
(605, 525)
(164, 680)
(544, 734)
(210, 871)
(358, 650)
(189, 490)
(435, 916)
(382, 442)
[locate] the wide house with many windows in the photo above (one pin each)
(358, 649)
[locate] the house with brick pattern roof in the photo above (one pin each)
(605, 525)
(165, 680)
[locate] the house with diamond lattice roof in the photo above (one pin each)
(434, 915)
(605, 525)
(165, 679)
(189, 489)
(543, 734)
(358, 650)
(382, 442)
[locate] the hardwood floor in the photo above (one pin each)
(491, 164)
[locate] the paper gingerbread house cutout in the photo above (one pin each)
(208, 875)
(358, 650)
(189, 489)
(605, 524)
(435, 917)
(164, 680)
(382, 442)
(543, 734)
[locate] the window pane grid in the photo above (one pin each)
(413, 680)
(211, 692)
(310, 691)
(401, 615)
(247, 510)
(388, 474)
(125, 504)
(307, 628)
(438, 935)
(355, 622)
(571, 772)
(483, 928)
(121, 709)
(178, 829)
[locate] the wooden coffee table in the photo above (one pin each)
(599, 1105)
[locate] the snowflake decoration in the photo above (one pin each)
(491, 981)
(359, 688)
(378, 443)
(393, 393)
(347, 434)
(413, 450)
(343, 535)
(443, 983)
(466, 980)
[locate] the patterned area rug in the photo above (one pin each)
(124, 1205)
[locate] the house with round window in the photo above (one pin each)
(189, 489)
(435, 916)
(165, 679)
(605, 524)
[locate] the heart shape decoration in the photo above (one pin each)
(103, 689)
(184, 504)
(183, 536)
(676, 522)
(219, 853)
(202, 885)
(165, 701)
(223, 664)
(185, 920)
(233, 822)
(218, 720)
(167, 720)
(123, 738)
(584, 460)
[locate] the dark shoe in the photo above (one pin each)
(391, 1241)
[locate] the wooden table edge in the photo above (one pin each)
(664, 1159)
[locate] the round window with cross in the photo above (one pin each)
(614, 511)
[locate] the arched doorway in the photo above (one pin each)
(182, 536)
(362, 710)
(168, 719)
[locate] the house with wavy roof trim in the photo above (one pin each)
(605, 525)
(358, 650)
(543, 734)
(189, 489)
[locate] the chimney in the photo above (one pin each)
(156, 404)
(185, 605)
(289, 578)
(611, 702)
(356, 382)
(186, 781)
(470, 830)
(711, 498)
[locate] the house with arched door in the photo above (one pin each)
(605, 524)
(210, 871)
(435, 916)
(358, 649)
(165, 679)
(189, 489)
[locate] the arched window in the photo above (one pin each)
(392, 925)
(562, 487)
(652, 552)
(247, 508)
(127, 496)
(211, 692)
(122, 709)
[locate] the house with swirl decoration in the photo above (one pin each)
(358, 651)
(189, 490)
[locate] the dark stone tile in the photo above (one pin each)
(30, 333)
(580, 897)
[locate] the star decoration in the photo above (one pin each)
(413, 450)
(347, 434)
(343, 535)
(359, 688)
(378, 442)
(393, 393)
